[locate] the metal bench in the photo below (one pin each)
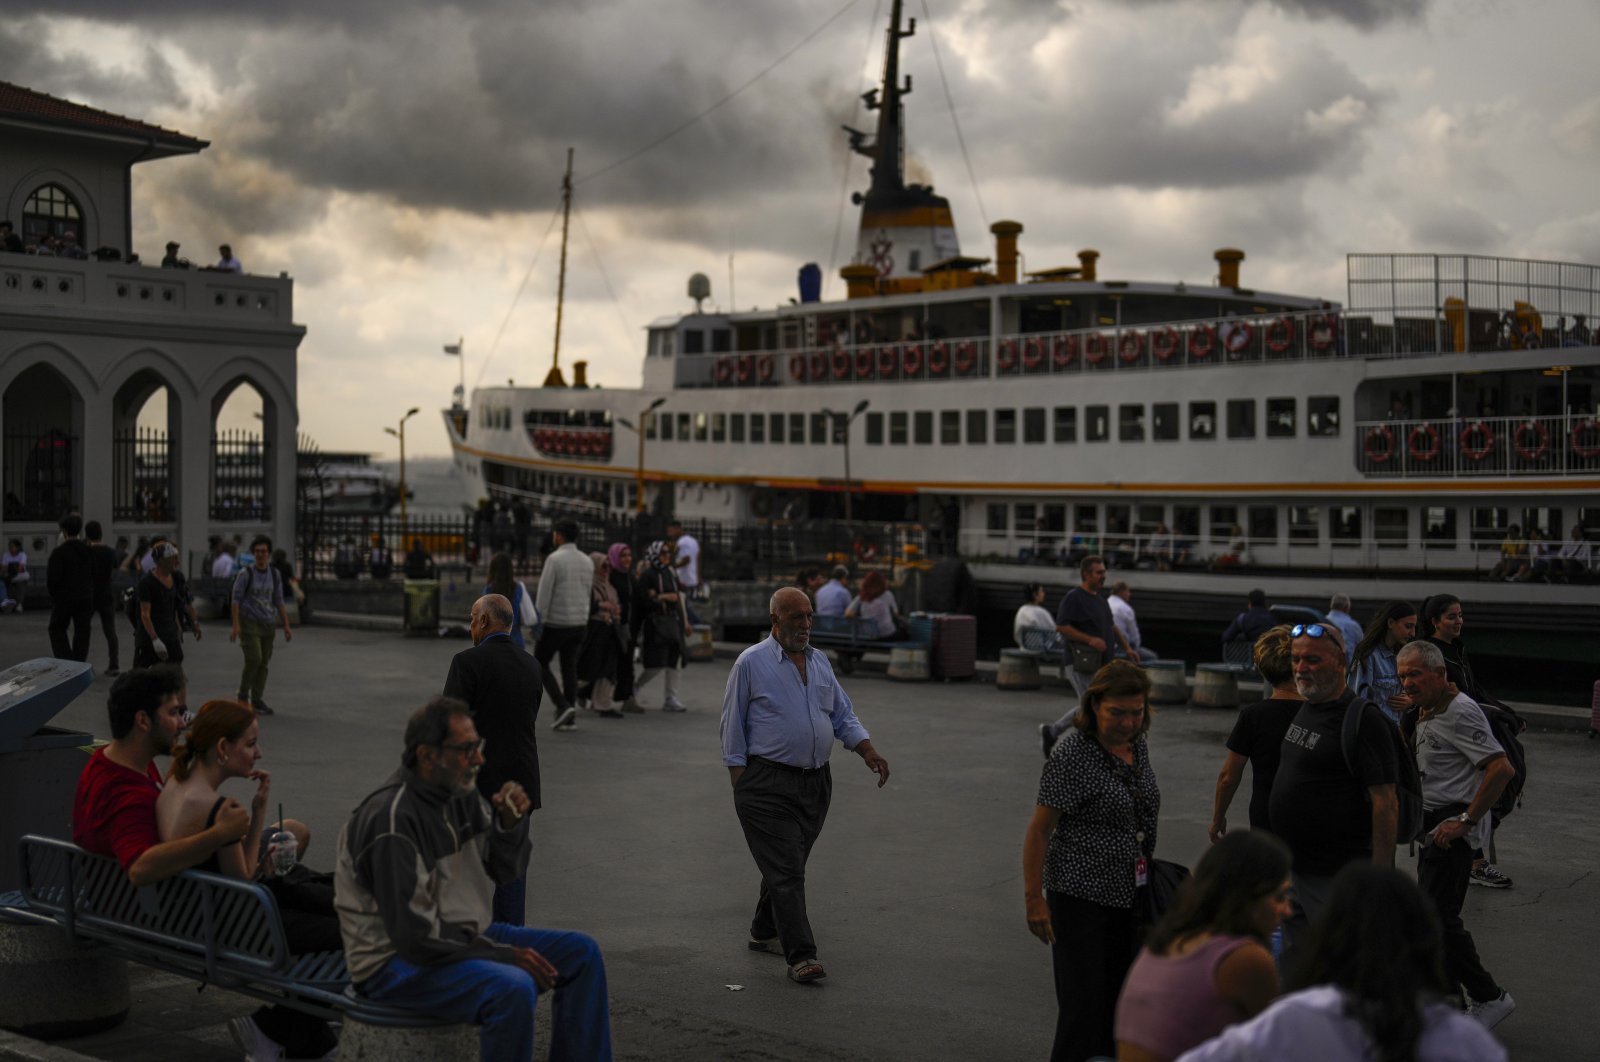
(850, 637)
(214, 929)
(1040, 642)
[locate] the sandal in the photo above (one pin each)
(772, 946)
(807, 970)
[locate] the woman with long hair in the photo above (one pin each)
(1093, 827)
(503, 581)
(876, 602)
(1372, 663)
(620, 557)
(1206, 963)
(1370, 985)
(599, 661)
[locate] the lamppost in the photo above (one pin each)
(638, 492)
(844, 437)
(401, 435)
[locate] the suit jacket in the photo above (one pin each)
(502, 685)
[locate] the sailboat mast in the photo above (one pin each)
(553, 379)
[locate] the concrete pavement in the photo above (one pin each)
(914, 890)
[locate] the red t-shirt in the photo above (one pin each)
(114, 811)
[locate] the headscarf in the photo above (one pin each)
(614, 555)
(655, 556)
(603, 590)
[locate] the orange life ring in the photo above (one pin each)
(1476, 453)
(764, 368)
(1008, 355)
(887, 361)
(1422, 442)
(966, 358)
(1541, 440)
(1322, 331)
(864, 363)
(841, 364)
(1064, 351)
(938, 359)
(1581, 429)
(1280, 335)
(1164, 343)
(1202, 341)
(745, 370)
(1095, 346)
(1240, 336)
(911, 359)
(1375, 454)
(797, 365)
(722, 371)
(1130, 348)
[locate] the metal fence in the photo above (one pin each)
(141, 477)
(1482, 446)
(37, 464)
(239, 472)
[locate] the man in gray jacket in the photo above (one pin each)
(565, 584)
(417, 866)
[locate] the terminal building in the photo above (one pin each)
(92, 329)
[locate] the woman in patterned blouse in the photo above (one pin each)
(1088, 847)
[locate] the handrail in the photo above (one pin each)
(1464, 447)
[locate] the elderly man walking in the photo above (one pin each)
(1463, 770)
(781, 712)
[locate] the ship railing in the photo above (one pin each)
(846, 363)
(1466, 447)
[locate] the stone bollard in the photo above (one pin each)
(1019, 670)
(908, 665)
(360, 1042)
(1167, 684)
(1216, 686)
(51, 988)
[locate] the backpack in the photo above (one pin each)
(1506, 726)
(1408, 780)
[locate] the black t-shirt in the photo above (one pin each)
(102, 562)
(68, 573)
(1317, 806)
(1089, 614)
(1258, 737)
(163, 609)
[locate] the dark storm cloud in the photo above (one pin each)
(1455, 227)
(78, 76)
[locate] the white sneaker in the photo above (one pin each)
(256, 1045)
(566, 719)
(1493, 1012)
(674, 705)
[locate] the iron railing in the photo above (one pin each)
(239, 477)
(38, 472)
(142, 489)
(1479, 446)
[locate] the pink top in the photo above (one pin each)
(1169, 1005)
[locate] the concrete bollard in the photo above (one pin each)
(1216, 686)
(1167, 684)
(908, 665)
(360, 1042)
(1019, 670)
(51, 988)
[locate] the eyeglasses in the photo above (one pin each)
(466, 747)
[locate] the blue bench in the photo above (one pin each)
(851, 638)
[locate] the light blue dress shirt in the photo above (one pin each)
(833, 597)
(768, 712)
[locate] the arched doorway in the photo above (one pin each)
(145, 454)
(42, 457)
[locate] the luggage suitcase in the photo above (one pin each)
(954, 651)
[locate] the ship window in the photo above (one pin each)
(997, 513)
(1241, 418)
(736, 427)
(916, 260)
(721, 340)
(922, 427)
(797, 428)
(1005, 425)
(1202, 420)
(820, 435)
(1545, 521)
(666, 426)
(1280, 418)
(1066, 424)
(1186, 523)
(1096, 423)
(1026, 516)
(950, 427)
(51, 211)
(1322, 415)
(1222, 520)
(700, 425)
(1117, 519)
(1303, 520)
(1263, 524)
(776, 426)
(977, 426)
(1589, 520)
(649, 425)
(719, 427)
(1164, 421)
(758, 427)
(694, 341)
(1438, 527)
(684, 420)
(1033, 425)
(1130, 423)
(1391, 528)
(1344, 525)
(1148, 519)
(1489, 527)
(1086, 520)
(897, 427)
(874, 429)
(1055, 518)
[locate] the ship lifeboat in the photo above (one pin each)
(911, 359)
(1422, 442)
(1202, 341)
(1240, 335)
(841, 364)
(938, 359)
(1585, 438)
(1008, 355)
(1379, 445)
(1164, 343)
(746, 370)
(1280, 335)
(722, 371)
(1130, 348)
(864, 363)
(1064, 351)
(1095, 347)
(1531, 439)
(1476, 440)
(764, 368)
(1033, 354)
(966, 359)
(797, 366)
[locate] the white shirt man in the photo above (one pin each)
(1122, 615)
(688, 557)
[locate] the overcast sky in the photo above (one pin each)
(402, 159)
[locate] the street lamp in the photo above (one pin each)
(401, 435)
(638, 491)
(844, 437)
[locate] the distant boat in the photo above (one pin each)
(346, 484)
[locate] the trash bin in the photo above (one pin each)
(458, 590)
(422, 606)
(39, 764)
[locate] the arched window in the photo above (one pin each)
(51, 211)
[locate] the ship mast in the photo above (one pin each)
(888, 148)
(553, 378)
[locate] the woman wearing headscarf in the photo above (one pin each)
(620, 557)
(662, 623)
(602, 645)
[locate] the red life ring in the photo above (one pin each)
(1240, 336)
(764, 368)
(797, 365)
(1202, 341)
(1064, 351)
(1095, 346)
(819, 366)
(1280, 335)
(1008, 355)
(966, 358)
(1033, 353)
(1322, 331)
(1420, 435)
(864, 363)
(841, 364)
(723, 371)
(1164, 343)
(1581, 429)
(745, 370)
(911, 359)
(1476, 453)
(887, 361)
(1379, 455)
(1130, 348)
(1541, 436)
(938, 359)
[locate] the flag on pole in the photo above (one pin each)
(452, 348)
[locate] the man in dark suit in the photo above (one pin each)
(502, 685)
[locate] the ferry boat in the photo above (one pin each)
(1384, 444)
(346, 483)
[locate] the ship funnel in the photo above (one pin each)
(1228, 259)
(580, 374)
(699, 289)
(1087, 259)
(1005, 250)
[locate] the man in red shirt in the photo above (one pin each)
(114, 811)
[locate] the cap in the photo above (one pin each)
(163, 551)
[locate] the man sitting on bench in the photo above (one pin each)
(418, 862)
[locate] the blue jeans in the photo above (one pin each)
(500, 997)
